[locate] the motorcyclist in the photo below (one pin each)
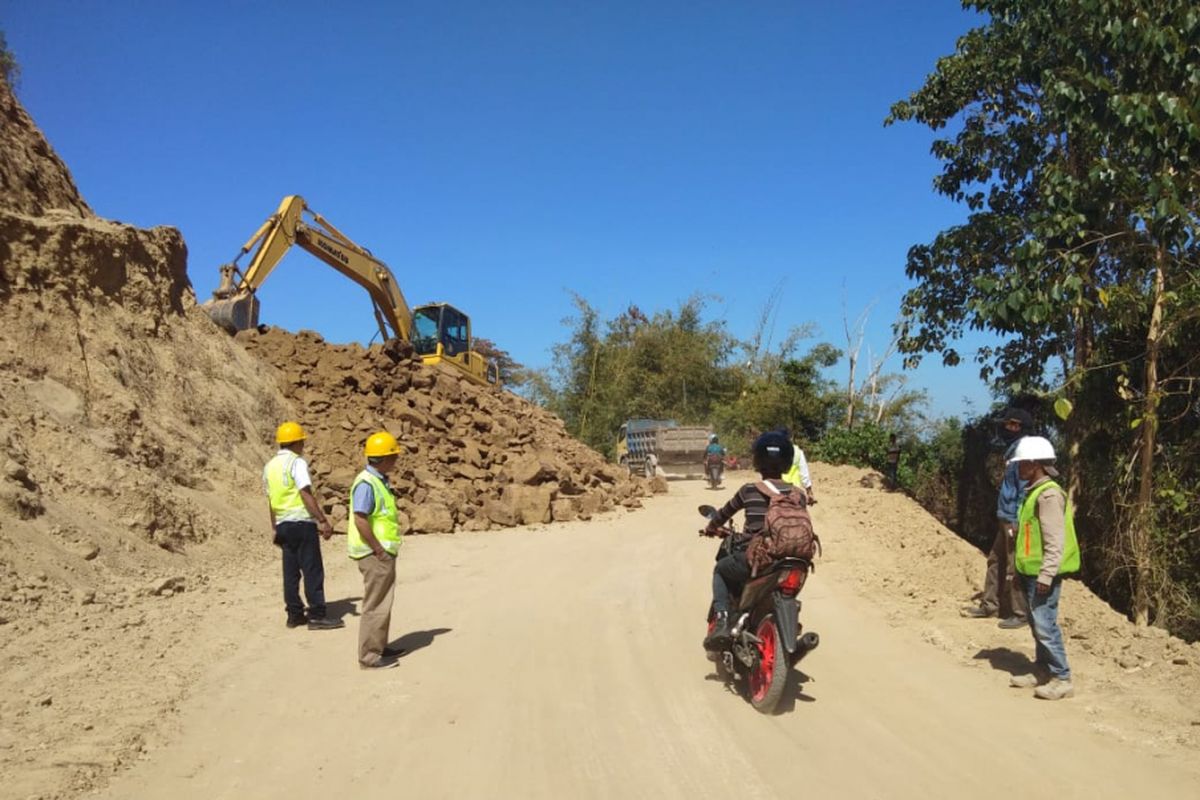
(772, 457)
(714, 455)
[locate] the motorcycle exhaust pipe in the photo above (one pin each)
(808, 642)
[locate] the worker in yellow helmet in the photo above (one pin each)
(373, 540)
(296, 519)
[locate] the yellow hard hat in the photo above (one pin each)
(382, 444)
(289, 432)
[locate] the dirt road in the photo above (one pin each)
(565, 662)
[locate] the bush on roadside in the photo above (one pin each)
(930, 465)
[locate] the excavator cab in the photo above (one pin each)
(442, 334)
(440, 329)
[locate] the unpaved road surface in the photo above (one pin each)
(566, 662)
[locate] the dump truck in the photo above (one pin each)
(439, 332)
(675, 449)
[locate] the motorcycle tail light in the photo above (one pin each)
(790, 582)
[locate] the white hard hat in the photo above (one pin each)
(1033, 448)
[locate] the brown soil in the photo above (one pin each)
(33, 179)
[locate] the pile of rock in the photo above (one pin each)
(476, 457)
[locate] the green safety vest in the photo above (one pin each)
(382, 519)
(1029, 536)
(281, 487)
(792, 476)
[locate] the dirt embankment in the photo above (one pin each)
(923, 575)
(132, 435)
(33, 179)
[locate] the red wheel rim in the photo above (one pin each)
(760, 679)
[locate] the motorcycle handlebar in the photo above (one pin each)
(720, 533)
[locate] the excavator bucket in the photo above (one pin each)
(234, 314)
(233, 309)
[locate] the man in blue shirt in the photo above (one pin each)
(1004, 599)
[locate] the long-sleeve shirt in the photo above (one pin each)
(1052, 517)
(1012, 491)
(752, 501)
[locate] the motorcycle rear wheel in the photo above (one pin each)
(769, 676)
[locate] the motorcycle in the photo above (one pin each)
(766, 634)
(714, 470)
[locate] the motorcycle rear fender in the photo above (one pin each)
(787, 618)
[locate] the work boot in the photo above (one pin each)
(1056, 689)
(977, 612)
(1011, 623)
(1038, 675)
(296, 622)
(720, 638)
(383, 663)
(324, 624)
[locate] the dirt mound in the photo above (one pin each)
(925, 574)
(476, 458)
(131, 435)
(33, 179)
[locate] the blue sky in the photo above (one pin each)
(501, 156)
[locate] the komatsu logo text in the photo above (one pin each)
(333, 251)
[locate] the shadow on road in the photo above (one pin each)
(793, 692)
(1006, 660)
(346, 607)
(411, 642)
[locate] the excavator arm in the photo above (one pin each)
(234, 306)
(440, 333)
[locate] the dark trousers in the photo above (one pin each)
(893, 482)
(729, 576)
(301, 547)
(1001, 593)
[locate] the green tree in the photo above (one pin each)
(512, 373)
(668, 365)
(1075, 148)
(10, 70)
(678, 365)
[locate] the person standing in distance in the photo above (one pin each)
(893, 463)
(1002, 595)
(296, 519)
(373, 541)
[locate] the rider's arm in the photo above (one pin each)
(726, 512)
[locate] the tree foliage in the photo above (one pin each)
(512, 373)
(1073, 139)
(10, 70)
(677, 364)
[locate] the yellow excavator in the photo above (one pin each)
(439, 332)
